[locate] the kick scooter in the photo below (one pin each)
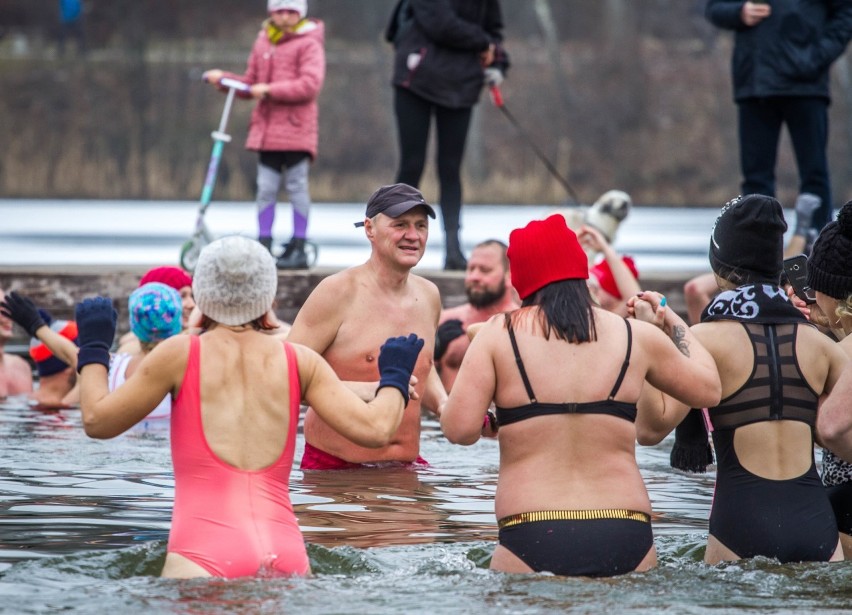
(202, 236)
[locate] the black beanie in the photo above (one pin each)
(748, 239)
(830, 264)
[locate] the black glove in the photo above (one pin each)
(22, 311)
(446, 333)
(397, 357)
(96, 320)
(691, 450)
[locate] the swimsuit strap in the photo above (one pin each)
(624, 365)
(295, 384)
(520, 363)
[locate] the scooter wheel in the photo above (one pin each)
(312, 252)
(189, 253)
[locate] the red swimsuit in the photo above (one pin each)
(232, 522)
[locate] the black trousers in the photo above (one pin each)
(413, 120)
(806, 118)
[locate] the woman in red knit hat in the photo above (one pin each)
(565, 376)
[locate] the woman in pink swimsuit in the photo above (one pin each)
(236, 394)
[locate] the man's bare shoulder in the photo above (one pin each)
(344, 280)
(459, 312)
(16, 361)
(428, 287)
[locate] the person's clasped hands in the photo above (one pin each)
(397, 358)
(96, 320)
(22, 311)
(649, 306)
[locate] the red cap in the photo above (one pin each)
(604, 275)
(175, 277)
(545, 251)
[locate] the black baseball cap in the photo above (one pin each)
(395, 200)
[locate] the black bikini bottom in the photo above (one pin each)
(589, 543)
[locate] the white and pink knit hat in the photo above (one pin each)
(300, 6)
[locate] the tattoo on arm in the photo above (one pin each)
(679, 338)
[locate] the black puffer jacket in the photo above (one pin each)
(790, 52)
(438, 45)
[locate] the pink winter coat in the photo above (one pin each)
(288, 118)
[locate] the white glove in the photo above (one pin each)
(493, 76)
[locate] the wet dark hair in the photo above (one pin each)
(739, 276)
(566, 309)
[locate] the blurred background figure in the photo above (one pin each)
(783, 51)
(16, 376)
(71, 25)
(444, 53)
(57, 380)
(286, 71)
(488, 286)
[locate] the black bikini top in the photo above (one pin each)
(619, 409)
(776, 389)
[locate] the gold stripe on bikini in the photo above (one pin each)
(573, 515)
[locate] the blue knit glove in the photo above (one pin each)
(397, 357)
(96, 320)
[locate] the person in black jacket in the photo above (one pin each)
(445, 50)
(782, 56)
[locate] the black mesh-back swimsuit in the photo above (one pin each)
(792, 519)
(595, 543)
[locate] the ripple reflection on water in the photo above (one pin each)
(84, 524)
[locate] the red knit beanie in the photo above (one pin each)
(604, 275)
(545, 251)
(175, 277)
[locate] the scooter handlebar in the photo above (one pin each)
(233, 84)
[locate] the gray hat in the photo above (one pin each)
(395, 200)
(235, 280)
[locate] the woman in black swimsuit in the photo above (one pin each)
(565, 376)
(768, 500)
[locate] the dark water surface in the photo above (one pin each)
(84, 525)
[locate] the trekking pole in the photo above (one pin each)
(497, 99)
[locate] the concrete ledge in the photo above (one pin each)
(57, 289)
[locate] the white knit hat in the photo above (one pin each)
(300, 6)
(235, 280)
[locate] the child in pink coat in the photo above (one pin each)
(286, 70)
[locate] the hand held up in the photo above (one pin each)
(397, 358)
(96, 319)
(23, 311)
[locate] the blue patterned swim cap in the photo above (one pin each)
(155, 312)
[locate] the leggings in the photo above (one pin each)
(413, 118)
(296, 166)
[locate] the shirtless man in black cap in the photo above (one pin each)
(351, 313)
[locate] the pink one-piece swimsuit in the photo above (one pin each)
(229, 521)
